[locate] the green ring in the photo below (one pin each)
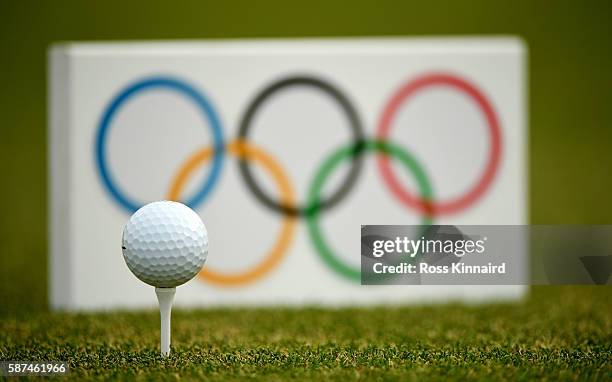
(386, 148)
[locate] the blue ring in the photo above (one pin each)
(181, 87)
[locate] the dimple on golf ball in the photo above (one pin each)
(165, 244)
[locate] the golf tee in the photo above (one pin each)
(165, 297)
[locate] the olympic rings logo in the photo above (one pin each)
(248, 154)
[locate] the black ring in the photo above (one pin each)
(356, 128)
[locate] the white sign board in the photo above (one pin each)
(132, 123)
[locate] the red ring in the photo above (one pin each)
(461, 202)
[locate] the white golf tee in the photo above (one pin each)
(165, 297)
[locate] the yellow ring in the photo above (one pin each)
(243, 150)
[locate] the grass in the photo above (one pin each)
(558, 333)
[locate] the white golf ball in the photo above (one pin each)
(165, 244)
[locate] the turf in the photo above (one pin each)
(558, 333)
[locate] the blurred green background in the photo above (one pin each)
(570, 92)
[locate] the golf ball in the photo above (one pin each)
(165, 244)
